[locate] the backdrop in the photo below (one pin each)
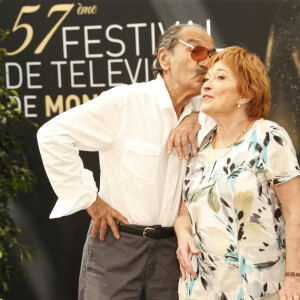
(63, 53)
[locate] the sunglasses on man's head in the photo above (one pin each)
(198, 53)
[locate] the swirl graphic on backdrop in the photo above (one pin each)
(283, 62)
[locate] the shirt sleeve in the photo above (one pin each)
(279, 156)
(207, 124)
(93, 126)
(196, 101)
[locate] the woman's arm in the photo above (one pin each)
(186, 243)
(288, 194)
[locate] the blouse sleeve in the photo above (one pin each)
(279, 156)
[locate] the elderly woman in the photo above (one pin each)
(238, 227)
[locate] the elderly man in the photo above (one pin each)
(140, 183)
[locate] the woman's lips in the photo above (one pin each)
(207, 97)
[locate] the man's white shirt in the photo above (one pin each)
(129, 125)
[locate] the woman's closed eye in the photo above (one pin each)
(220, 77)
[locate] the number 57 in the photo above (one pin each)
(32, 9)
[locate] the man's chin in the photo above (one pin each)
(196, 91)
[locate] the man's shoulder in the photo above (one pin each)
(141, 87)
(141, 90)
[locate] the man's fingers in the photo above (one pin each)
(177, 145)
(103, 228)
(180, 136)
(119, 217)
(95, 229)
(113, 226)
(170, 143)
(193, 141)
(185, 147)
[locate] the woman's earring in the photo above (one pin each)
(239, 105)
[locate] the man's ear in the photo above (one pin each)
(164, 58)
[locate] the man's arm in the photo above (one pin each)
(183, 134)
(93, 126)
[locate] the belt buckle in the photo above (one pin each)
(145, 232)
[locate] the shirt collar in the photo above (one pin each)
(162, 95)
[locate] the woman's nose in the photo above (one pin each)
(206, 85)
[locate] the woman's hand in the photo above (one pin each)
(290, 288)
(186, 245)
(185, 240)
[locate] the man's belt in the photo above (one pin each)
(148, 232)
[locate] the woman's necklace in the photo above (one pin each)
(213, 142)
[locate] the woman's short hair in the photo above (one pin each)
(251, 76)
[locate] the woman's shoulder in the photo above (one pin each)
(268, 131)
(263, 127)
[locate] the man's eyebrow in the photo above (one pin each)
(189, 41)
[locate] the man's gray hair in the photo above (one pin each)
(168, 41)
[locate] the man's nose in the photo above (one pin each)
(204, 62)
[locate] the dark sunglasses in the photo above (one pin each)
(198, 53)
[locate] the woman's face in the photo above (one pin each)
(219, 92)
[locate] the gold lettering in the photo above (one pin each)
(27, 27)
(51, 107)
(86, 10)
(79, 9)
(57, 106)
(94, 9)
(71, 98)
(58, 7)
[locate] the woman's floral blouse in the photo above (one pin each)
(236, 217)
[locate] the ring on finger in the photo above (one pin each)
(295, 296)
